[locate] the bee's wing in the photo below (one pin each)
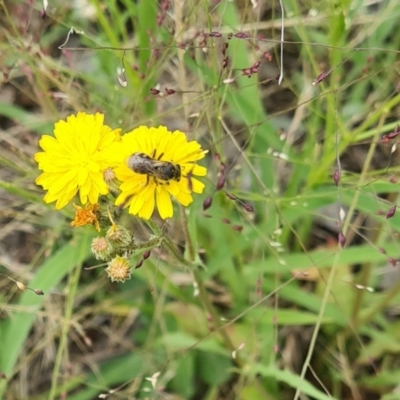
(140, 165)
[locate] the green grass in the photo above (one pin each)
(261, 304)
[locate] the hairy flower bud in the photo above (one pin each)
(102, 249)
(119, 269)
(119, 236)
(110, 180)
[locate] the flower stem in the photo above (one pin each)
(188, 239)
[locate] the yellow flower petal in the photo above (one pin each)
(148, 207)
(164, 203)
(174, 187)
(184, 198)
(197, 169)
(197, 186)
(136, 204)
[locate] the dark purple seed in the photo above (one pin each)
(321, 77)
(246, 72)
(381, 250)
(207, 203)
(146, 254)
(214, 34)
(139, 264)
(156, 54)
(336, 177)
(225, 221)
(241, 35)
(267, 55)
(169, 91)
(391, 212)
(392, 261)
(164, 5)
(237, 228)
(39, 292)
(230, 196)
(225, 62)
(205, 215)
(220, 182)
(342, 239)
(154, 91)
(248, 207)
(394, 134)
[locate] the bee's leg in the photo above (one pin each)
(154, 153)
(159, 157)
(147, 179)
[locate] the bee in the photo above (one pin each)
(163, 170)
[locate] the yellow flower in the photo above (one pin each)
(88, 215)
(75, 159)
(144, 190)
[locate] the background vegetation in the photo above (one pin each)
(297, 295)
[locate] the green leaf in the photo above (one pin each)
(183, 382)
(213, 369)
(290, 379)
(180, 341)
(113, 372)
